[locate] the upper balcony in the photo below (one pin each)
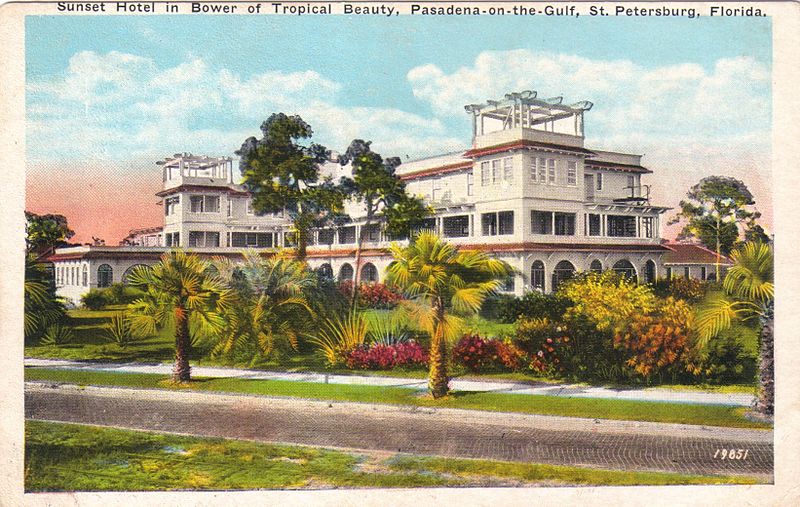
(187, 169)
(523, 116)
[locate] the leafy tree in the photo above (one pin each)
(284, 175)
(45, 232)
(716, 208)
(42, 308)
(182, 291)
(381, 193)
(443, 283)
(749, 293)
(269, 301)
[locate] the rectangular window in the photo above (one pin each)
(703, 273)
(436, 189)
(470, 183)
(485, 175)
(598, 181)
(489, 224)
(541, 222)
(508, 169)
(505, 221)
(572, 173)
(564, 224)
(171, 205)
(172, 239)
(249, 207)
(551, 170)
(455, 227)
(534, 170)
(204, 203)
(541, 163)
(669, 273)
(594, 224)
(632, 185)
(508, 285)
(251, 239)
(495, 172)
(347, 235)
(203, 239)
(648, 227)
(621, 226)
(373, 233)
(230, 207)
(686, 272)
(325, 237)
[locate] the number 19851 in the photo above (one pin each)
(731, 453)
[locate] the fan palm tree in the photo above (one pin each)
(269, 301)
(749, 293)
(442, 284)
(42, 307)
(182, 290)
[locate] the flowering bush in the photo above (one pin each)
(386, 357)
(476, 353)
(372, 295)
(547, 343)
(690, 290)
(511, 357)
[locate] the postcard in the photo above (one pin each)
(373, 252)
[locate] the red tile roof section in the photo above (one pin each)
(200, 188)
(451, 168)
(687, 253)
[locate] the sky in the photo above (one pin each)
(108, 96)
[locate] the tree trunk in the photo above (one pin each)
(765, 404)
(438, 379)
(181, 372)
(719, 253)
(302, 243)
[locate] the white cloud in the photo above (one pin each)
(728, 99)
(121, 106)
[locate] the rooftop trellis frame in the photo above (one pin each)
(525, 110)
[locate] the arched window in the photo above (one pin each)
(537, 275)
(564, 270)
(325, 271)
(105, 275)
(346, 272)
(596, 266)
(85, 275)
(369, 273)
(129, 271)
(649, 271)
(626, 269)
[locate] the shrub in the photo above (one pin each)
(533, 305)
(386, 327)
(386, 357)
(494, 306)
(95, 299)
(690, 290)
(481, 354)
(339, 337)
(727, 361)
(657, 340)
(57, 334)
(118, 330)
(511, 357)
(546, 344)
(372, 295)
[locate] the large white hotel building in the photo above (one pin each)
(527, 191)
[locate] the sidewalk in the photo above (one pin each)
(567, 390)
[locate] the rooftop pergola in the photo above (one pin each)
(524, 109)
(196, 165)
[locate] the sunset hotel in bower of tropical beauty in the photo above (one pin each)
(527, 191)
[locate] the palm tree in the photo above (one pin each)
(183, 291)
(442, 283)
(269, 301)
(42, 307)
(749, 293)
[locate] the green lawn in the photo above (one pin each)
(710, 415)
(69, 457)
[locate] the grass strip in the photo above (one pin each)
(70, 457)
(598, 408)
